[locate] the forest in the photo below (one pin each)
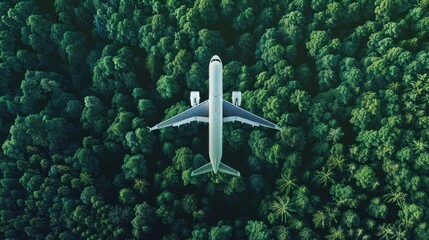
(347, 82)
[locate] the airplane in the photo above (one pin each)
(215, 111)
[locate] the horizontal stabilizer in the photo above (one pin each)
(204, 169)
(229, 170)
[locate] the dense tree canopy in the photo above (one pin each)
(347, 82)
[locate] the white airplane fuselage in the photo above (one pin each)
(215, 112)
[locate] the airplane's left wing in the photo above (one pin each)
(232, 113)
(199, 113)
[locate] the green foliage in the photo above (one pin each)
(344, 195)
(257, 182)
(319, 219)
(365, 177)
(93, 115)
(141, 185)
(222, 232)
(286, 182)
(301, 99)
(377, 209)
(183, 159)
(127, 196)
(336, 234)
(347, 81)
(257, 230)
(87, 194)
(350, 219)
(325, 176)
(143, 217)
(234, 185)
(282, 208)
(134, 167)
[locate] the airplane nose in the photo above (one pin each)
(215, 58)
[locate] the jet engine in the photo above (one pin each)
(236, 98)
(195, 98)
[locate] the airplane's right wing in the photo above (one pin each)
(199, 113)
(232, 113)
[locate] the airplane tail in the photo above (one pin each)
(222, 168)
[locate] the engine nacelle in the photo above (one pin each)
(236, 98)
(195, 98)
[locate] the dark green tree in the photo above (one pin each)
(257, 230)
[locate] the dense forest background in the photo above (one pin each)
(347, 81)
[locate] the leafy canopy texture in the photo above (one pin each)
(347, 82)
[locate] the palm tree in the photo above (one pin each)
(281, 208)
(300, 98)
(359, 232)
(336, 234)
(385, 231)
(420, 146)
(351, 169)
(319, 219)
(371, 224)
(286, 182)
(141, 185)
(366, 237)
(397, 196)
(394, 86)
(406, 222)
(331, 214)
(336, 161)
(324, 176)
(399, 233)
(335, 134)
(86, 179)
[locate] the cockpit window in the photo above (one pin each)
(216, 59)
